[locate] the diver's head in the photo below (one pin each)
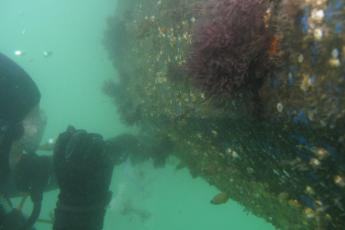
(18, 96)
(18, 93)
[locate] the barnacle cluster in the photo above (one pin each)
(310, 82)
(286, 161)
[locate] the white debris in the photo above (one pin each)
(47, 53)
(51, 141)
(18, 53)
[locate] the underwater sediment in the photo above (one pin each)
(256, 109)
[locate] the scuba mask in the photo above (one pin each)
(33, 128)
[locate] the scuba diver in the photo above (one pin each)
(81, 165)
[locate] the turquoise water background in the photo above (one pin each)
(70, 81)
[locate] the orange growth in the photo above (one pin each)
(274, 47)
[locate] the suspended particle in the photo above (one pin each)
(19, 53)
(51, 141)
(47, 53)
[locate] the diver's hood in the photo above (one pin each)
(18, 93)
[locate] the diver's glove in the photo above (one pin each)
(83, 171)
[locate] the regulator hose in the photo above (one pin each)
(37, 206)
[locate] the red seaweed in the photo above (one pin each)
(230, 44)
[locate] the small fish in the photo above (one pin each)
(220, 198)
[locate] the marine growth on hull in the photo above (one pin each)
(248, 94)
